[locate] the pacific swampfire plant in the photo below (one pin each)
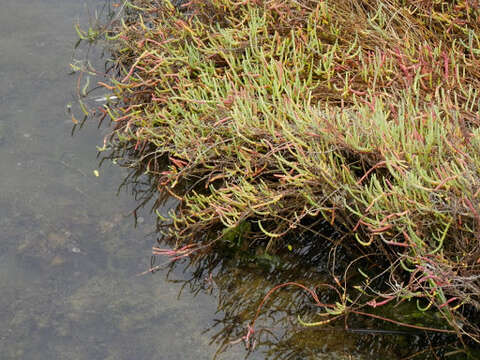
(286, 114)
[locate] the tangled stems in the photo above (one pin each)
(279, 114)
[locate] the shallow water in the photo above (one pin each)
(70, 253)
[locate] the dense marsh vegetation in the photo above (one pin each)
(269, 118)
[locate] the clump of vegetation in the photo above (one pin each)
(286, 114)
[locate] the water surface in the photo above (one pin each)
(69, 253)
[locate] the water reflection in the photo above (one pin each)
(239, 279)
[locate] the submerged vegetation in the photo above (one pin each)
(269, 118)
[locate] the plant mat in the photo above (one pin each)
(263, 118)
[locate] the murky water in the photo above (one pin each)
(70, 254)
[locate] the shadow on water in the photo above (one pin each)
(239, 278)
